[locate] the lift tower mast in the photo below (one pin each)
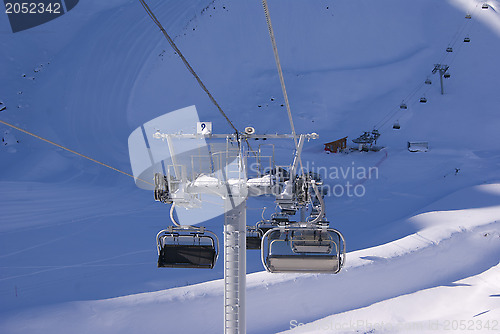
(234, 186)
(442, 69)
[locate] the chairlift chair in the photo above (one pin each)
(254, 237)
(187, 247)
(161, 191)
(466, 40)
(468, 16)
(449, 49)
(396, 126)
(363, 139)
(446, 75)
(266, 225)
(276, 219)
(281, 174)
(279, 217)
(428, 81)
(403, 106)
(423, 99)
(299, 249)
(485, 6)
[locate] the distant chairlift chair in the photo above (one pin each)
(254, 237)
(299, 249)
(187, 247)
(255, 233)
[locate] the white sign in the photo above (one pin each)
(204, 128)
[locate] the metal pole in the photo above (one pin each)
(441, 78)
(296, 158)
(234, 267)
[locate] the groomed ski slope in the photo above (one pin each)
(77, 249)
(408, 280)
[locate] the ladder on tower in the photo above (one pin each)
(231, 281)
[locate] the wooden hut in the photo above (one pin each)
(336, 146)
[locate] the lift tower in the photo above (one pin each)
(232, 184)
(442, 69)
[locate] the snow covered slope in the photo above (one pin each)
(452, 254)
(425, 234)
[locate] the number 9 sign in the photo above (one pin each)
(204, 128)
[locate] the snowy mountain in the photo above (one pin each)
(77, 240)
